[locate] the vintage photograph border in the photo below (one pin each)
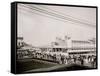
(14, 30)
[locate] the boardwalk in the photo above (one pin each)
(35, 65)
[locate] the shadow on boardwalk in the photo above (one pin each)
(35, 66)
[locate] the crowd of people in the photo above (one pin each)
(59, 58)
(71, 59)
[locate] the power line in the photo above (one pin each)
(41, 14)
(55, 15)
(50, 16)
(65, 15)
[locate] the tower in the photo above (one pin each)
(68, 41)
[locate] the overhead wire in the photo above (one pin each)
(41, 14)
(66, 15)
(54, 14)
(66, 18)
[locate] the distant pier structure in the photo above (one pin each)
(76, 47)
(66, 46)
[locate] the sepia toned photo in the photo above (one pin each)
(53, 37)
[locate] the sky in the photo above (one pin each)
(39, 29)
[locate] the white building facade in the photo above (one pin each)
(76, 47)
